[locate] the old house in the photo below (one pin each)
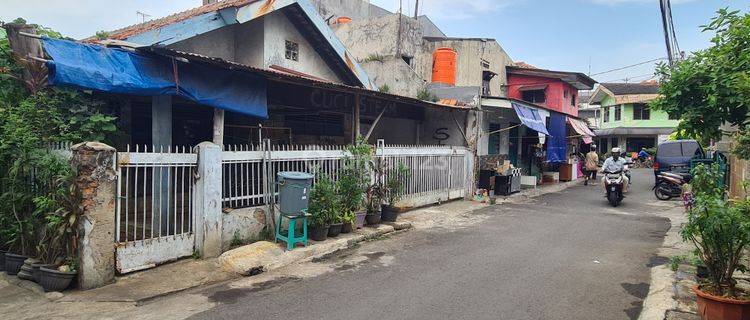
(627, 121)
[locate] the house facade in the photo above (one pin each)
(627, 121)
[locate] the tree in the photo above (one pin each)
(712, 86)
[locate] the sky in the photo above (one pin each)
(589, 36)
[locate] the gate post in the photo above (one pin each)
(96, 181)
(207, 213)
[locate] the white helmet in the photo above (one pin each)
(616, 150)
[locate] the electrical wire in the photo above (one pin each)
(629, 66)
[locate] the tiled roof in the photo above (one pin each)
(136, 29)
(632, 88)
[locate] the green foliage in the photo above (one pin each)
(385, 88)
(374, 57)
(102, 35)
(425, 95)
(355, 176)
(394, 184)
(324, 202)
(719, 229)
(39, 216)
(711, 87)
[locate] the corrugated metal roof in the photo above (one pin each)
(293, 79)
(632, 88)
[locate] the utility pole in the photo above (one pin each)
(416, 10)
(670, 37)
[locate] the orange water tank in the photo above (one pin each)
(342, 20)
(444, 66)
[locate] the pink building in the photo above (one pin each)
(553, 90)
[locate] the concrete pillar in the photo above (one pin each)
(219, 127)
(97, 182)
(161, 138)
(207, 202)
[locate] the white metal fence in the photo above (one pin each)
(438, 173)
(154, 212)
(156, 188)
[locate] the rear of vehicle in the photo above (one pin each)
(675, 156)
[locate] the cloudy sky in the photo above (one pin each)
(576, 35)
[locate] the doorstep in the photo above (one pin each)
(262, 256)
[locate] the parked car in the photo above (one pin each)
(675, 156)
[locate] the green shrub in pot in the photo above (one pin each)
(394, 190)
(322, 206)
(720, 231)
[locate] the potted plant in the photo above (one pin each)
(374, 199)
(720, 231)
(336, 224)
(349, 219)
(322, 199)
(394, 189)
(355, 179)
(57, 279)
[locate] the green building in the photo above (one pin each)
(626, 119)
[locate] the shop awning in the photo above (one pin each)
(530, 118)
(581, 128)
(120, 71)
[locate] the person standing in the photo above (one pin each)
(591, 166)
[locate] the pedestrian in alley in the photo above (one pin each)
(591, 166)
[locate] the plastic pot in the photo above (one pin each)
(347, 228)
(13, 263)
(53, 280)
(373, 218)
(27, 272)
(2, 260)
(359, 220)
(334, 230)
(389, 214)
(35, 270)
(318, 233)
(711, 307)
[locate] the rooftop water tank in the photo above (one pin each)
(342, 20)
(444, 66)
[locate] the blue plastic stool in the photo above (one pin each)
(290, 236)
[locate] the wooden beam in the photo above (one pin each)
(219, 127)
(459, 128)
(375, 124)
(357, 120)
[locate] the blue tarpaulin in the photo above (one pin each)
(111, 70)
(530, 118)
(557, 146)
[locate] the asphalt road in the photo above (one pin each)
(567, 255)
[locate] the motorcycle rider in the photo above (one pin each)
(615, 163)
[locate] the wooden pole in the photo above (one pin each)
(375, 124)
(357, 131)
(219, 127)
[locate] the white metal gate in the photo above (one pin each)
(154, 213)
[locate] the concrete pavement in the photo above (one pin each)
(560, 256)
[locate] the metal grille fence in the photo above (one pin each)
(155, 193)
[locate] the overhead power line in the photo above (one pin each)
(626, 67)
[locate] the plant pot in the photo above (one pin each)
(347, 228)
(711, 307)
(53, 280)
(318, 233)
(35, 272)
(359, 220)
(389, 214)
(27, 272)
(335, 230)
(13, 263)
(2, 260)
(373, 218)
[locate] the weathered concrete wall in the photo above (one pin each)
(97, 183)
(392, 71)
(245, 224)
(395, 131)
(378, 36)
(260, 43)
(355, 9)
(219, 43)
(208, 217)
(469, 65)
(439, 128)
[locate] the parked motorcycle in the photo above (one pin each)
(669, 185)
(613, 183)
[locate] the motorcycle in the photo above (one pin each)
(669, 185)
(613, 183)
